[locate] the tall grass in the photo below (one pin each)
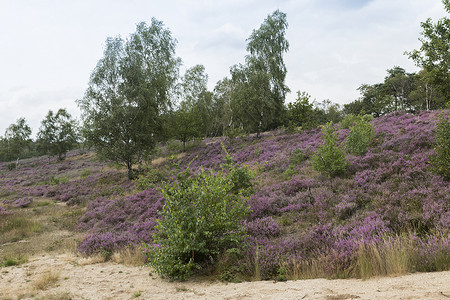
(15, 228)
(392, 256)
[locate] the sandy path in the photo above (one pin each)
(115, 281)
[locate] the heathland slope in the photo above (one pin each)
(386, 214)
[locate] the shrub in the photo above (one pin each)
(199, 221)
(329, 159)
(361, 134)
(351, 119)
(440, 162)
(297, 157)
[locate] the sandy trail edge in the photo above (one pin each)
(114, 281)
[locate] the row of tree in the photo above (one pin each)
(136, 97)
(57, 135)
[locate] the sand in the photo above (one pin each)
(68, 277)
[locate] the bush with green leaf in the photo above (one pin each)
(360, 136)
(297, 157)
(199, 221)
(351, 119)
(329, 159)
(440, 162)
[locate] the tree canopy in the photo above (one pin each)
(129, 92)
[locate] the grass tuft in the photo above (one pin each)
(46, 279)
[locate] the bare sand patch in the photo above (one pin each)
(108, 280)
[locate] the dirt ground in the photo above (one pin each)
(66, 276)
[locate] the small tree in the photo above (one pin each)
(440, 162)
(17, 140)
(329, 159)
(361, 134)
(199, 220)
(300, 112)
(57, 134)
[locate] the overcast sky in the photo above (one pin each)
(49, 48)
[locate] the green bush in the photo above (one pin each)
(351, 119)
(297, 157)
(85, 173)
(361, 134)
(199, 221)
(329, 159)
(151, 177)
(440, 162)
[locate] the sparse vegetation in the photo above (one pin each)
(46, 279)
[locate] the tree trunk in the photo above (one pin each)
(130, 170)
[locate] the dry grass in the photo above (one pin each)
(392, 257)
(129, 256)
(14, 228)
(56, 296)
(46, 279)
(91, 260)
(37, 229)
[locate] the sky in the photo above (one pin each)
(48, 48)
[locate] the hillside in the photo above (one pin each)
(386, 215)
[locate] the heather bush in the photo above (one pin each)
(22, 202)
(359, 138)
(329, 159)
(441, 160)
(199, 220)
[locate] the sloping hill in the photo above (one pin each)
(388, 214)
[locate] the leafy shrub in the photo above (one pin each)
(329, 159)
(149, 179)
(232, 133)
(85, 173)
(199, 221)
(297, 157)
(441, 160)
(290, 171)
(351, 119)
(361, 134)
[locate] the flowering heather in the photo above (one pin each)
(22, 202)
(296, 215)
(3, 211)
(115, 223)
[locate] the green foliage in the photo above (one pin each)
(329, 159)
(433, 56)
(348, 121)
(16, 141)
(151, 177)
(124, 108)
(290, 171)
(297, 157)
(360, 136)
(232, 133)
(440, 162)
(193, 116)
(57, 134)
(85, 173)
(259, 88)
(300, 112)
(199, 221)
